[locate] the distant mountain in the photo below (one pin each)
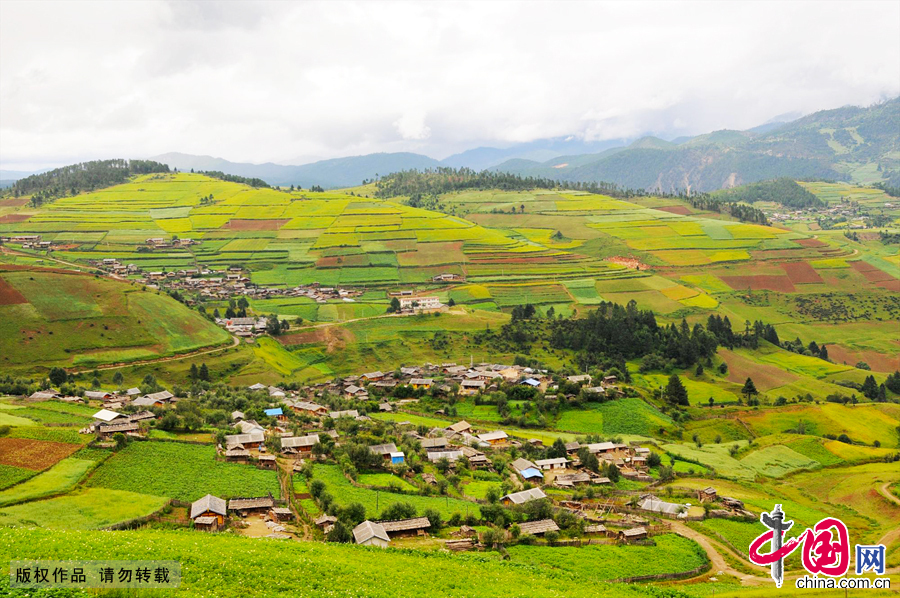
(338, 172)
(540, 150)
(849, 143)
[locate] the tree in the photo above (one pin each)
(749, 389)
(399, 510)
(870, 387)
(58, 376)
(118, 378)
(558, 450)
(434, 518)
(395, 306)
(676, 393)
(195, 373)
(451, 302)
(204, 372)
(339, 533)
(121, 440)
(353, 514)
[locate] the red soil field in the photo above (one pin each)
(9, 295)
(810, 243)
(891, 285)
(801, 273)
(10, 218)
(36, 455)
(781, 284)
(765, 376)
(879, 362)
(680, 210)
(13, 202)
(273, 224)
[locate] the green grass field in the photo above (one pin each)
(60, 478)
(145, 467)
(89, 508)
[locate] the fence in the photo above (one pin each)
(663, 576)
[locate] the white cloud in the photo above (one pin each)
(276, 81)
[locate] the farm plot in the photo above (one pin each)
(345, 493)
(10, 475)
(89, 508)
(511, 295)
(60, 478)
(629, 415)
(180, 471)
(36, 455)
(671, 554)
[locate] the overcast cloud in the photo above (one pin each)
(295, 82)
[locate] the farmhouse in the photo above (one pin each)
(651, 503)
(307, 408)
(435, 444)
(460, 427)
(384, 450)
(237, 455)
(708, 494)
(43, 395)
(156, 399)
(572, 479)
(579, 379)
(281, 514)
(208, 513)
(520, 498)
(405, 527)
(425, 383)
(372, 376)
(250, 440)
(299, 444)
(106, 416)
(267, 462)
(339, 414)
(109, 430)
(493, 438)
(97, 395)
(325, 521)
(538, 528)
(471, 387)
(420, 303)
(277, 413)
(251, 505)
(557, 463)
(369, 533)
(452, 456)
(635, 533)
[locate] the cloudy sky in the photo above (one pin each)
(294, 82)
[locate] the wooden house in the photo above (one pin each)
(267, 462)
(538, 528)
(406, 527)
(244, 506)
(425, 383)
(497, 437)
(635, 533)
(708, 494)
(208, 513)
(281, 514)
(520, 498)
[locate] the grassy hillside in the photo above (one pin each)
(73, 319)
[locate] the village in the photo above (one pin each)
(564, 493)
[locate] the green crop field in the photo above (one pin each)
(60, 478)
(144, 467)
(90, 508)
(620, 416)
(375, 502)
(671, 554)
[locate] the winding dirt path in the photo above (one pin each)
(714, 551)
(235, 341)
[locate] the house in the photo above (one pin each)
(595, 529)
(133, 392)
(237, 455)
(405, 527)
(385, 407)
(277, 413)
(579, 379)
(208, 512)
(156, 399)
(106, 416)
(267, 462)
(281, 514)
(520, 498)
(418, 303)
(459, 427)
(608, 380)
(250, 440)
(251, 505)
(257, 386)
(109, 430)
(384, 450)
(521, 464)
(572, 447)
(425, 383)
(538, 528)
(471, 387)
(299, 444)
(479, 461)
(493, 438)
(531, 382)
(276, 393)
(339, 414)
(44, 395)
(307, 408)
(373, 376)
(557, 463)
(708, 494)
(635, 533)
(435, 444)
(97, 395)
(142, 416)
(249, 425)
(369, 533)
(237, 416)
(652, 504)
(397, 458)
(572, 479)
(452, 456)
(325, 521)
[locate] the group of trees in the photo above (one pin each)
(433, 182)
(784, 191)
(85, 176)
(742, 212)
(233, 178)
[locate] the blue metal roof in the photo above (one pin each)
(273, 412)
(531, 382)
(531, 472)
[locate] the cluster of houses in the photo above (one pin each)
(163, 243)
(27, 241)
(470, 380)
(210, 513)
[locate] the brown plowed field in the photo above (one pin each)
(810, 243)
(9, 295)
(780, 284)
(801, 273)
(36, 455)
(877, 361)
(680, 210)
(10, 218)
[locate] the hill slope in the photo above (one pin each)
(73, 319)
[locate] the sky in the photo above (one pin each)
(297, 82)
